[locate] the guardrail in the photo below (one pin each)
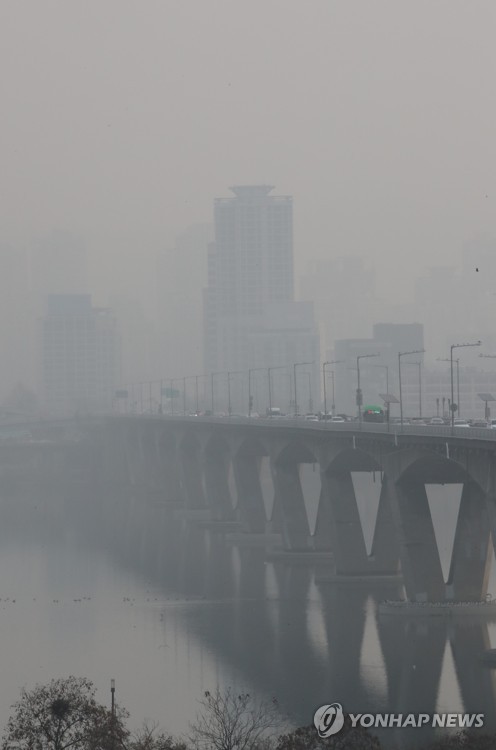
(444, 431)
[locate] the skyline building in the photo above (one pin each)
(79, 353)
(251, 318)
(379, 366)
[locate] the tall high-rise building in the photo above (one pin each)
(250, 316)
(79, 355)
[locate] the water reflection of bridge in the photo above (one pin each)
(303, 644)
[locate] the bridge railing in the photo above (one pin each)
(470, 433)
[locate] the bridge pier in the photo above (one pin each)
(344, 530)
(289, 495)
(216, 472)
(407, 473)
(151, 460)
(385, 557)
(420, 562)
(472, 553)
(169, 469)
(191, 473)
(339, 529)
(134, 456)
(250, 498)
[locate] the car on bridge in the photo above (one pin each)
(461, 423)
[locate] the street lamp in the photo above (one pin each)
(331, 362)
(298, 364)
(447, 359)
(453, 406)
(400, 355)
(269, 380)
(359, 398)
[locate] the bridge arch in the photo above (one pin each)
(351, 459)
(431, 467)
(295, 451)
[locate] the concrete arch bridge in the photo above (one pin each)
(227, 467)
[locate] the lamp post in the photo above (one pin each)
(298, 364)
(269, 382)
(250, 398)
(359, 398)
(454, 406)
(400, 355)
(447, 359)
(333, 407)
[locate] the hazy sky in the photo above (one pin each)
(121, 121)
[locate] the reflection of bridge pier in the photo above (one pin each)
(344, 611)
(304, 649)
(414, 649)
(469, 640)
(413, 653)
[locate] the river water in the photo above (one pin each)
(170, 609)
